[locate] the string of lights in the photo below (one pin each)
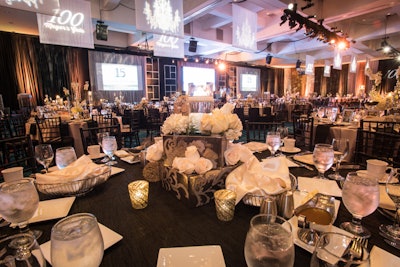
(313, 29)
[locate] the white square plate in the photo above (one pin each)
(52, 209)
(116, 170)
(198, 256)
(109, 238)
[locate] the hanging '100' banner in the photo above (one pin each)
(70, 26)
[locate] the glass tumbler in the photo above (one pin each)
(76, 241)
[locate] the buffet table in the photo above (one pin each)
(167, 222)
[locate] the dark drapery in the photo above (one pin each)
(38, 69)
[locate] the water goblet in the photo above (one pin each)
(341, 150)
(109, 145)
(320, 113)
(100, 137)
(44, 155)
(332, 250)
(392, 231)
(269, 242)
(19, 201)
(273, 141)
(360, 196)
(21, 250)
(323, 158)
(65, 156)
(76, 241)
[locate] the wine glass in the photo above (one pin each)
(340, 150)
(76, 240)
(19, 201)
(284, 132)
(44, 155)
(321, 112)
(269, 242)
(360, 196)
(393, 190)
(323, 158)
(65, 156)
(109, 145)
(100, 137)
(273, 142)
(21, 250)
(331, 250)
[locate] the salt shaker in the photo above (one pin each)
(268, 206)
(288, 205)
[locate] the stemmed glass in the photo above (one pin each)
(321, 113)
(109, 145)
(65, 156)
(323, 158)
(284, 132)
(269, 242)
(392, 232)
(341, 150)
(21, 250)
(44, 155)
(360, 195)
(19, 202)
(76, 240)
(100, 137)
(273, 141)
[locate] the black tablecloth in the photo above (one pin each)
(167, 222)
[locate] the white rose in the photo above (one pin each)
(206, 123)
(183, 165)
(203, 165)
(192, 154)
(232, 154)
(227, 108)
(154, 153)
(220, 123)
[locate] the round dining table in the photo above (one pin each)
(168, 222)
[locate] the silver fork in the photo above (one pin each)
(356, 249)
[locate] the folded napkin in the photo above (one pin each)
(382, 258)
(305, 158)
(327, 187)
(121, 153)
(384, 200)
(260, 178)
(80, 169)
(256, 146)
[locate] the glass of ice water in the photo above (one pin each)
(360, 195)
(269, 242)
(273, 141)
(76, 241)
(109, 145)
(65, 156)
(323, 157)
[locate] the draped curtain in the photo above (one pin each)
(37, 69)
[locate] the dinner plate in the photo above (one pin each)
(290, 150)
(52, 209)
(116, 170)
(109, 238)
(196, 256)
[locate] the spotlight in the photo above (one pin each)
(293, 6)
(268, 59)
(298, 64)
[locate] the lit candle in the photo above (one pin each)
(138, 193)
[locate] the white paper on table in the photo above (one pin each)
(384, 200)
(323, 186)
(382, 258)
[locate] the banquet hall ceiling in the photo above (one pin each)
(209, 22)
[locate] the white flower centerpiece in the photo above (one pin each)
(196, 153)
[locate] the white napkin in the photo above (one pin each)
(327, 187)
(121, 153)
(80, 169)
(258, 177)
(382, 258)
(384, 200)
(256, 146)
